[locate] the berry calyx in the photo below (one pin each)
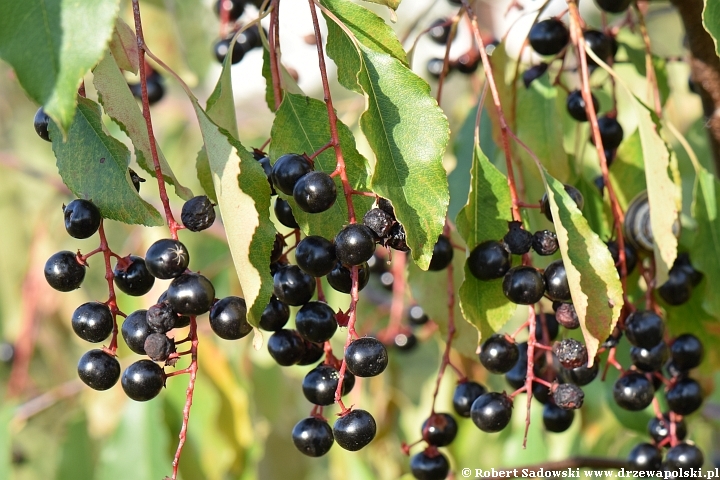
(191, 294)
(92, 321)
(645, 456)
(284, 214)
(556, 282)
(313, 437)
(82, 218)
(315, 192)
(63, 272)
(687, 351)
(491, 412)
(143, 380)
(286, 347)
(98, 369)
(275, 315)
(292, 286)
(40, 123)
(684, 397)
(340, 278)
(132, 277)
(316, 322)
(315, 255)
(633, 391)
(557, 419)
(366, 357)
(442, 254)
(320, 384)
(429, 467)
(489, 260)
(198, 213)
(288, 169)
(228, 318)
(524, 285)
(644, 328)
(465, 394)
(354, 244)
(167, 258)
(498, 354)
(576, 105)
(135, 331)
(549, 37)
(439, 430)
(518, 240)
(354, 430)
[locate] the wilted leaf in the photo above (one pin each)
(123, 46)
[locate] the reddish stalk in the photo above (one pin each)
(172, 224)
(112, 299)
(322, 149)
(649, 67)
(397, 306)
(192, 369)
(352, 317)
(274, 42)
(530, 372)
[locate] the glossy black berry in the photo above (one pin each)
(340, 278)
(442, 254)
(517, 375)
(568, 396)
(549, 37)
(684, 397)
(533, 73)
(316, 322)
(198, 213)
(524, 285)
(644, 328)
(286, 347)
(354, 244)
(92, 322)
(167, 258)
(366, 357)
(439, 430)
(264, 162)
(491, 412)
(677, 289)
(315, 192)
(158, 347)
(468, 63)
(417, 316)
(288, 169)
(435, 66)
(228, 318)
(143, 380)
(354, 430)
(614, 6)
(570, 190)
(545, 242)
(191, 294)
(498, 354)
(601, 45)
(556, 282)
(63, 272)
(489, 260)
(405, 341)
(275, 315)
(132, 277)
(633, 391)
(313, 353)
(687, 351)
(557, 419)
(611, 132)
(518, 240)
(553, 328)
(397, 239)
(98, 369)
(425, 466)
(649, 360)
(645, 456)
(292, 286)
(135, 331)
(576, 106)
(235, 8)
(566, 316)
(155, 88)
(439, 31)
(313, 437)
(315, 255)
(541, 393)
(40, 122)
(464, 396)
(570, 353)
(682, 262)
(630, 255)
(284, 213)
(320, 384)
(659, 429)
(161, 318)
(581, 375)
(222, 47)
(685, 456)
(82, 218)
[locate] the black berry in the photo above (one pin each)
(167, 258)
(313, 437)
(397, 239)
(649, 360)
(315, 192)
(284, 213)
(131, 276)
(198, 213)
(570, 353)
(354, 430)
(439, 430)
(439, 31)
(180, 320)
(659, 429)
(286, 347)
(143, 380)
(677, 289)
(366, 357)
(158, 347)
(614, 6)
(312, 354)
(92, 322)
(533, 73)
(464, 396)
(570, 190)
(292, 286)
(40, 122)
(545, 242)
(517, 240)
(556, 282)
(633, 391)
(264, 162)
(405, 341)
(425, 466)
(489, 260)
(135, 331)
(548, 37)
(417, 316)
(315, 255)
(82, 218)
(435, 67)
(687, 351)
(235, 8)
(630, 255)
(601, 45)
(275, 315)
(517, 375)
(611, 133)
(340, 278)
(161, 318)
(442, 254)
(155, 88)
(684, 397)
(557, 419)
(316, 322)
(523, 285)
(568, 396)
(191, 294)
(468, 63)
(685, 456)
(98, 369)
(228, 318)
(498, 354)
(566, 316)
(222, 47)
(576, 105)
(379, 221)
(355, 244)
(582, 375)
(288, 169)
(644, 329)
(682, 262)
(320, 384)
(645, 456)
(491, 412)
(553, 328)
(63, 272)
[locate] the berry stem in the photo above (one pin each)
(530, 371)
(649, 67)
(352, 316)
(109, 277)
(274, 42)
(321, 150)
(172, 224)
(193, 368)
(446, 58)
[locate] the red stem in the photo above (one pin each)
(192, 369)
(274, 42)
(109, 276)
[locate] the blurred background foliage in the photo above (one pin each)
(245, 405)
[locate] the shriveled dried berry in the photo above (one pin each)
(567, 316)
(397, 239)
(161, 318)
(198, 213)
(379, 221)
(518, 240)
(570, 353)
(158, 347)
(568, 396)
(545, 242)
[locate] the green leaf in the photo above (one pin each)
(485, 217)
(627, 172)
(121, 106)
(595, 211)
(394, 4)
(539, 126)
(204, 174)
(123, 46)
(594, 282)
(705, 251)
(301, 126)
(243, 195)
(94, 166)
(142, 437)
(77, 458)
(711, 21)
(52, 44)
